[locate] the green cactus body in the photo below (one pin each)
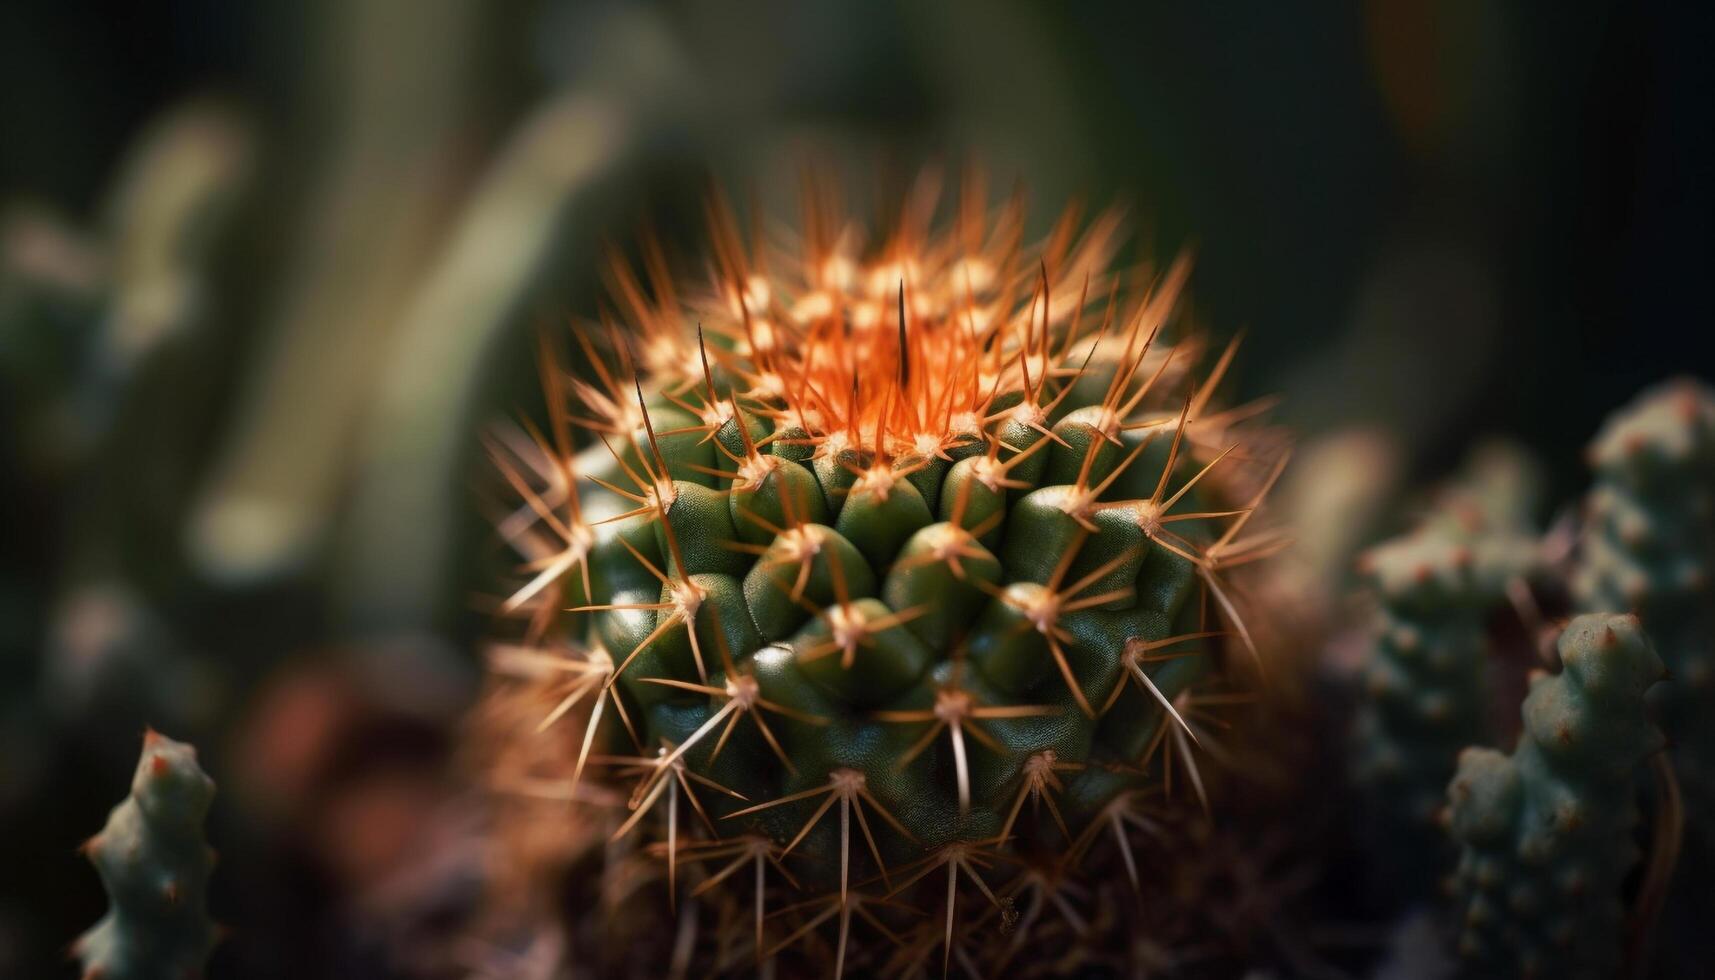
(1649, 548)
(1425, 694)
(155, 866)
(1498, 489)
(872, 584)
(1546, 832)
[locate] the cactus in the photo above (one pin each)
(1546, 832)
(1426, 693)
(1649, 548)
(1498, 489)
(881, 580)
(155, 866)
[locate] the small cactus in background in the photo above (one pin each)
(885, 581)
(1546, 832)
(1425, 684)
(1649, 548)
(155, 866)
(1497, 491)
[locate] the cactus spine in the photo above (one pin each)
(155, 866)
(910, 571)
(1546, 831)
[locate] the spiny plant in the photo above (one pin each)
(1425, 693)
(155, 866)
(888, 584)
(1498, 490)
(1546, 832)
(1425, 689)
(1649, 547)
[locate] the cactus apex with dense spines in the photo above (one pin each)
(155, 866)
(889, 563)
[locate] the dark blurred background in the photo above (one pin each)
(267, 269)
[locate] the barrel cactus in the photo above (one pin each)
(885, 581)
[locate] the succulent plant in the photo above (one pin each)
(1498, 490)
(1546, 832)
(1426, 691)
(885, 580)
(1649, 548)
(155, 865)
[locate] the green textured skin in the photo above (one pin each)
(1649, 548)
(1545, 833)
(155, 866)
(1424, 695)
(878, 539)
(1499, 486)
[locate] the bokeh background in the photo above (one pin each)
(266, 269)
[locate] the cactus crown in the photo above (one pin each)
(899, 566)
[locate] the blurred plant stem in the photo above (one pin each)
(503, 245)
(401, 113)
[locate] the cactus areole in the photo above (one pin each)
(893, 562)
